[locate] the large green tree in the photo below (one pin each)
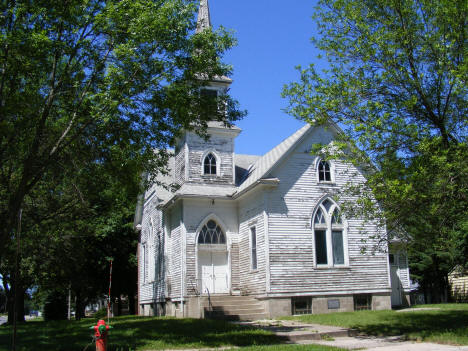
(112, 75)
(396, 83)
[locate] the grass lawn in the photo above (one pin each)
(448, 325)
(132, 333)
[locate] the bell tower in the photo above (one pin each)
(207, 161)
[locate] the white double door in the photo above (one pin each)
(213, 271)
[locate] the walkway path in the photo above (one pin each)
(304, 333)
(384, 344)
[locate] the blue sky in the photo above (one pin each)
(273, 37)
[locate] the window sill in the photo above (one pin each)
(323, 267)
(254, 271)
(326, 183)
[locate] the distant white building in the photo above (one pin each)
(251, 237)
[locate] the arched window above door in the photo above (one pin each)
(211, 233)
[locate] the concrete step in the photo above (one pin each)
(232, 299)
(220, 315)
(234, 306)
(238, 310)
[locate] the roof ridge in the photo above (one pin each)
(268, 161)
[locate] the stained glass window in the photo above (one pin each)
(211, 233)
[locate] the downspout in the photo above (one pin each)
(182, 254)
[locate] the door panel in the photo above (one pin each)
(205, 272)
(220, 272)
(213, 272)
(396, 286)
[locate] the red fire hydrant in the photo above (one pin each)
(100, 333)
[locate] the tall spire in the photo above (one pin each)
(204, 19)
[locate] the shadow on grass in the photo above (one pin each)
(419, 324)
(131, 333)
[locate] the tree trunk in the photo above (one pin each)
(79, 308)
(19, 305)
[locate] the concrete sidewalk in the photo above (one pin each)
(384, 344)
(294, 331)
(304, 333)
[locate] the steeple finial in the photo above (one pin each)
(204, 19)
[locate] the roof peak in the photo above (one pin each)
(204, 19)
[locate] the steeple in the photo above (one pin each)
(204, 19)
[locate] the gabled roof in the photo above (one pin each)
(266, 163)
(250, 171)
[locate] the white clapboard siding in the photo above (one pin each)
(151, 243)
(251, 215)
(175, 252)
(291, 241)
(196, 213)
(222, 146)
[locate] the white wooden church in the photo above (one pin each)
(253, 237)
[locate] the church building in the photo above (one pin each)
(251, 237)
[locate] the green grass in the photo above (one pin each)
(448, 324)
(132, 333)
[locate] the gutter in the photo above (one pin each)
(269, 182)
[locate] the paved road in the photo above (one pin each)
(385, 344)
(3, 320)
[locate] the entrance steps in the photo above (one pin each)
(234, 308)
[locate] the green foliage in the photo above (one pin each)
(106, 80)
(447, 323)
(396, 84)
(92, 94)
(55, 307)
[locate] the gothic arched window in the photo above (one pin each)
(209, 164)
(324, 171)
(211, 233)
(329, 235)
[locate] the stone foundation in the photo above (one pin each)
(381, 302)
(193, 307)
(152, 309)
(278, 307)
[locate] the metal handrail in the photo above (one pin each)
(210, 306)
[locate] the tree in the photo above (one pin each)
(396, 84)
(3, 300)
(118, 76)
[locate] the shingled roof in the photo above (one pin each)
(266, 163)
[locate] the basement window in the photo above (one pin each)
(363, 302)
(301, 305)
